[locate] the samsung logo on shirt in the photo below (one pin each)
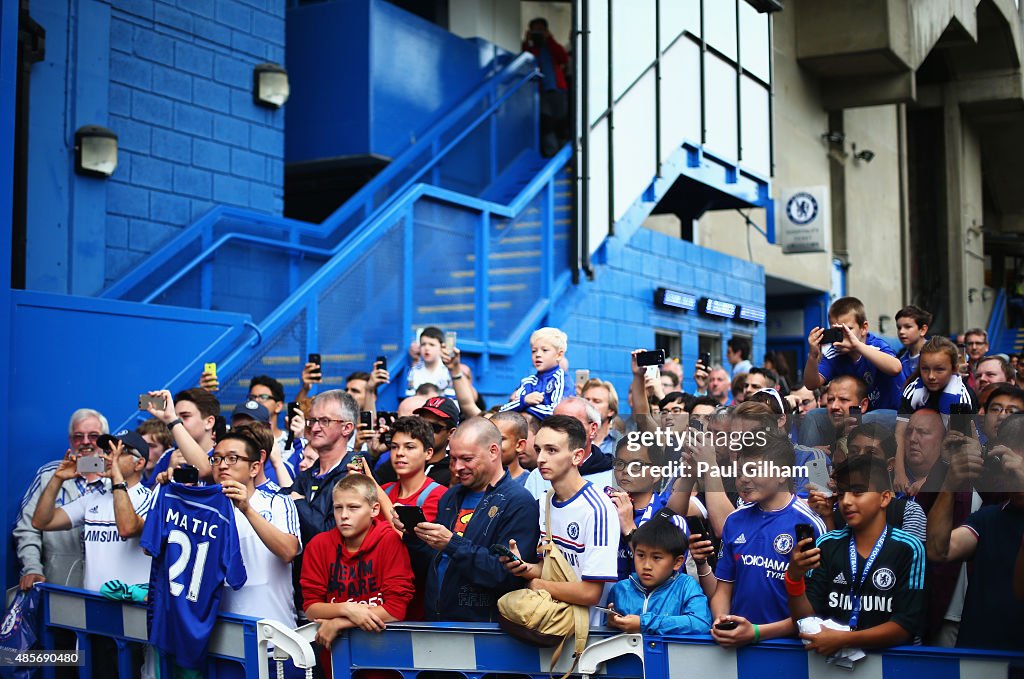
(867, 603)
(99, 535)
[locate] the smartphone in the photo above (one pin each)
(502, 550)
(315, 359)
(220, 427)
(145, 400)
(964, 357)
(652, 371)
(607, 611)
(381, 363)
(726, 625)
(832, 335)
(609, 491)
(293, 407)
(582, 377)
(410, 516)
(449, 340)
(855, 412)
(356, 461)
(804, 531)
(960, 417)
(210, 368)
(90, 464)
(186, 473)
(705, 360)
(366, 419)
(698, 526)
(652, 357)
(817, 476)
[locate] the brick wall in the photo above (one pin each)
(181, 77)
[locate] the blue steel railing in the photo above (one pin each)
(478, 650)
(237, 645)
(197, 246)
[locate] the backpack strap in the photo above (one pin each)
(425, 493)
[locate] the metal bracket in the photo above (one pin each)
(288, 643)
(606, 649)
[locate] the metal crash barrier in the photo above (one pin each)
(237, 646)
(477, 651)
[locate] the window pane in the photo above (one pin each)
(720, 26)
(720, 107)
(635, 143)
(633, 49)
(756, 127)
(598, 198)
(754, 50)
(680, 96)
(678, 16)
(597, 96)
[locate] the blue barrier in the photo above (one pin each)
(477, 650)
(237, 641)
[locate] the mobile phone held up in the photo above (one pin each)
(90, 464)
(804, 531)
(410, 516)
(318, 362)
(381, 363)
(186, 473)
(705, 360)
(652, 357)
(832, 335)
(157, 401)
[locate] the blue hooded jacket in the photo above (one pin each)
(677, 606)
(469, 587)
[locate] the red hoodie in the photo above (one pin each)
(376, 574)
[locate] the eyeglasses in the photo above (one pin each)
(999, 410)
(324, 422)
(261, 397)
(232, 460)
(93, 436)
(621, 465)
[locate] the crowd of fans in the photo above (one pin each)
(877, 502)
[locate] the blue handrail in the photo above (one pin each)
(997, 319)
(292, 231)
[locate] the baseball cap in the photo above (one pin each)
(445, 408)
(133, 442)
(771, 398)
(251, 409)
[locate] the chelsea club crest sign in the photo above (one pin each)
(804, 219)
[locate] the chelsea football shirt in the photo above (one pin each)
(756, 545)
(193, 540)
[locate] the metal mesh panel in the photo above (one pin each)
(282, 357)
(444, 282)
(359, 314)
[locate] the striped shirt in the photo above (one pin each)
(916, 397)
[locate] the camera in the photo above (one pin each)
(186, 473)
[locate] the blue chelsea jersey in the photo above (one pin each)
(756, 545)
(191, 534)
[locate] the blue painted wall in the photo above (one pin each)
(368, 77)
(610, 316)
(174, 81)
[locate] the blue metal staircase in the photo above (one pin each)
(468, 229)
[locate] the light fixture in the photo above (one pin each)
(95, 151)
(270, 85)
(971, 293)
(881, 323)
(675, 299)
(752, 314)
(717, 307)
(834, 137)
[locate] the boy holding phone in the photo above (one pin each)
(658, 598)
(357, 574)
(867, 575)
(857, 353)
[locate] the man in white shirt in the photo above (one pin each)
(112, 520)
(584, 524)
(596, 466)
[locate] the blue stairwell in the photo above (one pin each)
(1001, 339)
(414, 247)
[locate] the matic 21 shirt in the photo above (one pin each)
(892, 591)
(191, 534)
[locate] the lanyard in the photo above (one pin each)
(858, 585)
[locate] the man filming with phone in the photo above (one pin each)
(190, 416)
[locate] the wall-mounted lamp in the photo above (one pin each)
(270, 85)
(834, 137)
(95, 151)
(971, 293)
(881, 323)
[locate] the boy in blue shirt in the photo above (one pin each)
(912, 329)
(859, 353)
(658, 598)
(756, 542)
(538, 394)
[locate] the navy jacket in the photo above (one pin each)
(474, 579)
